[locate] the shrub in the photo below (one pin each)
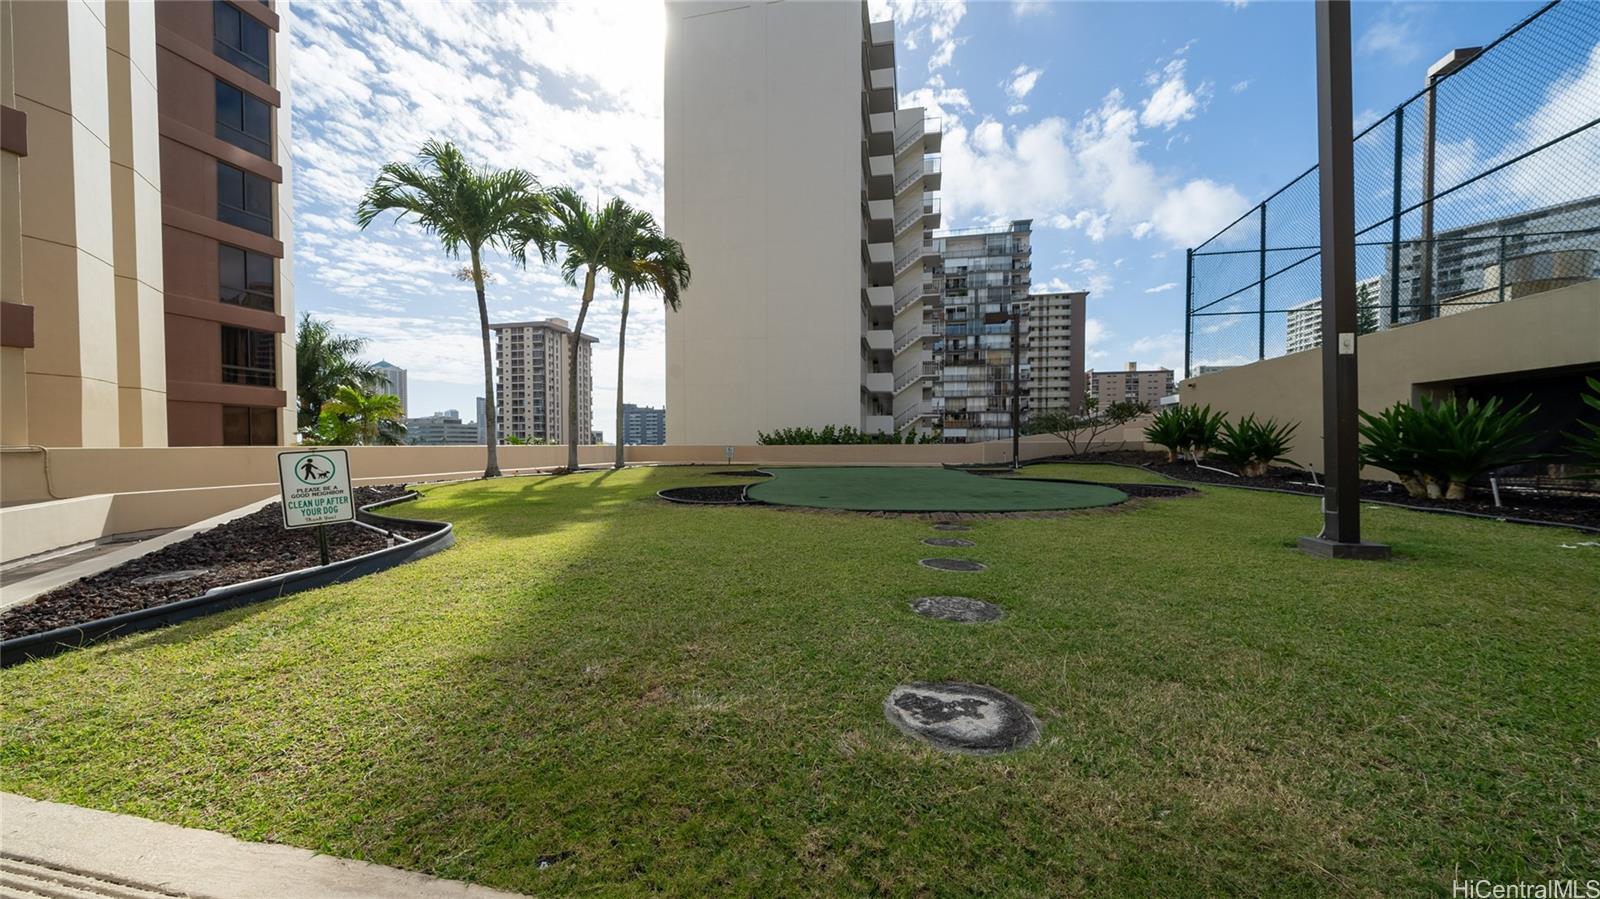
(1204, 426)
(832, 435)
(1080, 430)
(1587, 445)
(1254, 445)
(1437, 448)
(1169, 429)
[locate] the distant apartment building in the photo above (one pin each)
(643, 425)
(1303, 321)
(983, 277)
(144, 215)
(483, 422)
(1132, 385)
(441, 428)
(394, 382)
(803, 193)
(1055, 351)
(531, 381)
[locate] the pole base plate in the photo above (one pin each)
(1327, 548)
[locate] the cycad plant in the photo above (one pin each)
(1436, 448)
(1169, 429)
(1586, 444)
(1253, 445)
(1203, 429)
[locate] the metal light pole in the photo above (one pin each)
(1451, 61)
(1341, 529)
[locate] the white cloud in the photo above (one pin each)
(1173, 102)
(1163, 288)
(1165, 350)
(1237, 4)
(1022, 81)
(1016, 109)
(1240, 87)
(914, 20)
(1021, 9)
(1396, 33)
(1197, 210)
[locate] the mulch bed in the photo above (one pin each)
(247, 548)
(1544, 506)
(715, 494)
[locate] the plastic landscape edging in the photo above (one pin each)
(233, 596)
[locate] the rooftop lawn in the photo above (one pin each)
(688, 699)
(921, 490)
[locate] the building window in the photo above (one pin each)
(248, 357)
(244, 120)
(240, 39)
(244, 199)
(249, 426)
(244, 278)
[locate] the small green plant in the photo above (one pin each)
(846, 435)
(1436, 448)
(1253, 445)
(1169, 429)
(1587, 445)
(1080, 430)
(1204, 427)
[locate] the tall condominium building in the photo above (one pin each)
(1055, 351)
(530, 390)
(1131, 385)
(1302, 323)
(802, 193)
(483, 422)
(441, 428)
(145, 228)
(643, 425)
(394, 382)
(966, 368)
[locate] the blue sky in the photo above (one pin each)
(1126, 131)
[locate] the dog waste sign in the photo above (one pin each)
(316, 488)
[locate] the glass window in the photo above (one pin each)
(248, 357)
(243, 120)
(249, 426)
(240, 39)
(244, 278)
(244, 199)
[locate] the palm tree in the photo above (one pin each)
(466, 207)
(325, 360)
(372, 417)
(591, 240)
(653, 263)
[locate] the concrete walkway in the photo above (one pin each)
(50, 849)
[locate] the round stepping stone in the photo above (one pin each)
(952, 564)
(947, 541)
(170, 577)
(951, 526)
(956, 608)
(960, 717)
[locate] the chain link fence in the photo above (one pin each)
(1510, 143)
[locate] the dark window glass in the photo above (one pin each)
(244, 199)
(240, 39)
(249, 426)
(243, 120)
(248, 357)
(244, 278)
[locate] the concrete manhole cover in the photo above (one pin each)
(951, 526)
(947, 541)
(951, 564)
(956, 608)
(170, 577)
(961, 717)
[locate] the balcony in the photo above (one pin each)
(880, 297)
(880, 340)
(927, 176)
(929, 207)
(881, 123)
(880, 210)
(878, 382)
(880, 260)
(929, 130)
(881, 32)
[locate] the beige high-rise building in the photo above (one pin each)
(802, 196)
(144, 223)
(1055, 351)
(1131, 385)
(530, 385)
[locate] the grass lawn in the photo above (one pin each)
(921, 490)
(656, 697)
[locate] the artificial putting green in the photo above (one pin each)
(923, 490)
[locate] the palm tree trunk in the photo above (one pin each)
(491, 467)
(622, 348)
(572, 372)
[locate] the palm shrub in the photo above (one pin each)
(1436, 448)
(1204, 427)
(326, 360)
(1253, 445)
(1169, 429)
(1586, 444)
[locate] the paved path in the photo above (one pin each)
(50, 849)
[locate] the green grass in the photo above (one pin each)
(687, 700)
(922, 490)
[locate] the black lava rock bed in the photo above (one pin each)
(247, 548)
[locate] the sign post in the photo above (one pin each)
(315, 489)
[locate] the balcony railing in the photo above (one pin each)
(916, 334)
(930, 165)
(930, 125)
(913, 255)
(929, 207)
(904, 419)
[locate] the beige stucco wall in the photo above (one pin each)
(763, 173)
(1557, 329)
